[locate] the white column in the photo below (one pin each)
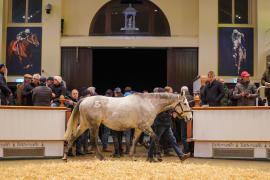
(263, 32)
(208, 40)
(1, 31)
(51, 37)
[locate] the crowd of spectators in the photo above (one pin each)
(170, 129)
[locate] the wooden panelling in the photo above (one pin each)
(76, 67)
(182, 67)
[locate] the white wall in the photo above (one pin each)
(181, 14)
(51, 30)
(194, 23)
(208, 23)
(1, 30)
(208, 37)
(263, 29)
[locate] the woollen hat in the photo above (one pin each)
(50, 78)
(58, 78)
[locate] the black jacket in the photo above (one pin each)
(4, 90)
(213, 93)
(163, 119)
(27, 93)
(58, 91)
(266, 78)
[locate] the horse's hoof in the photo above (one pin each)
(64, 158)
(101, 158)
(134, 159)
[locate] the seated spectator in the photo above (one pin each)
(42, 94)
(27, 90)
(72, 101)
(245, 92)
(58, 89)
(49, 82)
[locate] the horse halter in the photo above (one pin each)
(182, 109)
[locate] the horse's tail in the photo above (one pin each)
(73, 123)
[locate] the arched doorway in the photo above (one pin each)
(86, 67)
(110, 20)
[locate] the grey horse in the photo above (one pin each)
(136, 111)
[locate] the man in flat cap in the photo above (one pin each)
(20, 100)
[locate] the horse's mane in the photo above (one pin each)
(158, 95)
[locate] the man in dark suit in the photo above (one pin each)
(214, 91)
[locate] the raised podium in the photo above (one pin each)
(232, 132)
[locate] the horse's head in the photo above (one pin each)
(183, 109)
(32, 39)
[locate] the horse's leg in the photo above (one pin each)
(137, 134)
(94, 139)
(149, 131)
(70, 142)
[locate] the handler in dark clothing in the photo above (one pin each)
(42, 94)
(266, 82)
(5, 92)
(214, 91)
(180, 124)
(162, 127)
(117, 135)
